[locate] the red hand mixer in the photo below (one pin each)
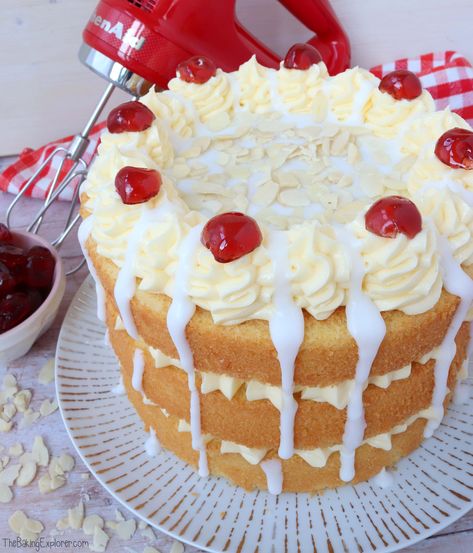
(135, 44)
(129, 41)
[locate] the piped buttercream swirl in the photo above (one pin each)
(386, 116)
(255, 92)
(299, 180)
(301, 91)
(401, 273)
(172, 110)
(212, 100)
(348, 94)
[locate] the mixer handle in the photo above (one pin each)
(130, 42)
(330, 39)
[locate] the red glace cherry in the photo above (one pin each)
(401, 85)
(197, 69)
(39, 270)
(301, 56)
(393, 215)
(7, 282)
(14, 308)
(230, 236)
(455, 148)
(5, 234)
(14, 258)
(130, 117)
(136, 185)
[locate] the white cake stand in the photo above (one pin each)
(432, 487)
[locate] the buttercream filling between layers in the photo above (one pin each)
(336, 395)
(319, 456)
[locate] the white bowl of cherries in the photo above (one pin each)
(32, 284)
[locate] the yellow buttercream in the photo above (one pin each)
(255, 92)
(348, 93)
(385, 115)
(453, 218)
(172, 110)
(301, 91)
(295, 175)
(212, 100)
(319, 269)
(401, 273)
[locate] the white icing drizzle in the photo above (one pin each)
(119, 389)
(125, 285)
(138, 369)
(179, 314)
(461, 394)
(367, 327)
(147, 401)
(83, 234)
(106, 338)
(384, 479)
(274, 477)
(152, 445)
(457, 282)
(286, 327)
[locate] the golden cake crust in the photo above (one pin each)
(308, 156)
(298, 476)
(327, 356)
(256, 423)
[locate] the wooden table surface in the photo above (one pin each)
(457, 538)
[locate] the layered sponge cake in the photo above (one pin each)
(282, 261)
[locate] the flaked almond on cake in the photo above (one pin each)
(282, 261)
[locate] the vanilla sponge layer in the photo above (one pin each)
(298, 475)
(327, 356)
(255, 424)
(337, 395)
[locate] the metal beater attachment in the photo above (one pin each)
(74, 176)
(136, 44)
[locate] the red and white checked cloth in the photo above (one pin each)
(448, 76)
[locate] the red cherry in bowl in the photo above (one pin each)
(455, 148)
(130, 117)
(401, 85)
(14, 258)
(7, 281)
(230, 236)
(302, 56)
(5, 234)
(136, 185)
(14, 309)
(392, 215)
(39, 270)
(197, 69)
(36, 298)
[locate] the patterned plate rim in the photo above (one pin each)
(401, 544)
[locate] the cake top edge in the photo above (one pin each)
(286, 171)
